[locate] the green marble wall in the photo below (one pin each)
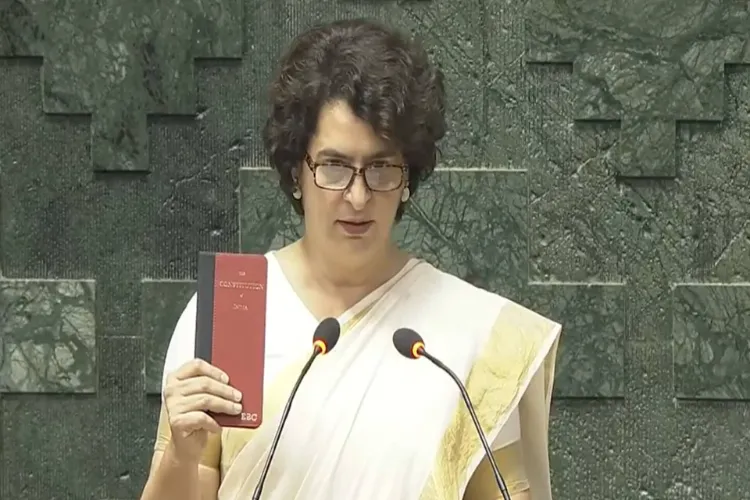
(596, 170)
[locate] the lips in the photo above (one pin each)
(355, 227)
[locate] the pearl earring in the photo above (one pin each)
(297, 194)
(405, 195)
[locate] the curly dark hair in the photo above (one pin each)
(386, 79)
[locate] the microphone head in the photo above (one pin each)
(408, 343)
(326, 335)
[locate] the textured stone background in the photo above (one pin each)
(596, 170)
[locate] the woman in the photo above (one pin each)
(356, 111)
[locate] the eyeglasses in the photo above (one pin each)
(336, 175)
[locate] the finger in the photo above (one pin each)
(205, 402)
(207, 385)
(194, 421)
(197, 367)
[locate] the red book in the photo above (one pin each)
(230, 330)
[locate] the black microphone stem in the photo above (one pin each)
(282, 421)
(469, 406)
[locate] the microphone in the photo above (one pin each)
(411, 345)
(324, 339)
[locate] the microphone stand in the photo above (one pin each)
(284, 415)
(467, 401)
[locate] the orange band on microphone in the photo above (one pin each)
(416, 348)
(321, 346)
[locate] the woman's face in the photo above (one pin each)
(356, 214)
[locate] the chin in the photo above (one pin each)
(368, 242)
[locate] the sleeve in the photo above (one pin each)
(509, 433)
(507, 451)
(181, 350)
(182, 344)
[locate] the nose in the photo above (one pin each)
(358, 193)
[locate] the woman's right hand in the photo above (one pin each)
(196, 388)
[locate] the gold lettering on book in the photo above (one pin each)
(244, 285)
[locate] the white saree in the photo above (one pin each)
(369, 424)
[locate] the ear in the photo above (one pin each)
(297, 175)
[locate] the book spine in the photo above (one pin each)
(204, 318)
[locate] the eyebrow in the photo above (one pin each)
(332, 153)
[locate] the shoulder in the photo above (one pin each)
(440, 288)
(455, 305)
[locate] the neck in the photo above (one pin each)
(330, 269)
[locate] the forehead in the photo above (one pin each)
(340, 131)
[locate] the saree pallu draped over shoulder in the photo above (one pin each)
(368, 424)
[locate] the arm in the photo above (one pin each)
(522, 445)
(523, 495)
(510, 462)
(182, 478)
(173, 479)
(175, 475)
